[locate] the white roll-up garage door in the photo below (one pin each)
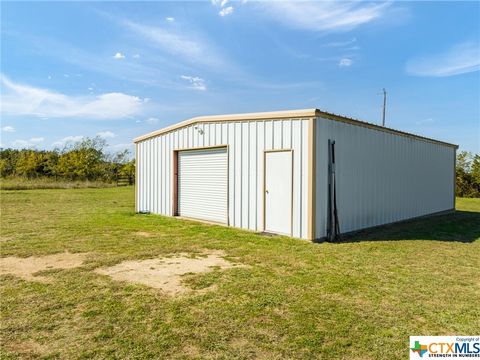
(203, 184)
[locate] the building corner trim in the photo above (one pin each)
(311, 179)
(455, 179)
(136, 178)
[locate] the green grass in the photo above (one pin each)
(20, 183)
(358, 299)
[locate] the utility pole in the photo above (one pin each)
(384, 106)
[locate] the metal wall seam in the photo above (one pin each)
(247, 140)
(382, 177)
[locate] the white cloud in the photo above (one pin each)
(152, 120)
(226, 11)
(188, 45)
(196, 82)
(106, 134)
(66, 140)
(345, 62)
(136, 56)
(21, 144)
(119, 55)
(170, 19)
(341, 43)
(32, 142)
(155, 72)
(460, 59)
(28, 100)
(8, 129)
(120, 147)
(322, 15)
(353, 48)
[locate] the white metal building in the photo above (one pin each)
(291, 172)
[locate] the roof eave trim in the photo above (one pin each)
(292, 114)
(289, 114)
(357, 122)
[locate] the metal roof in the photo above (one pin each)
(288, 114)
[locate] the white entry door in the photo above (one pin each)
(278, 192)
(203, 184)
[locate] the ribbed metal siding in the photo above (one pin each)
(202, 184)
(247, 141)
(381, 177)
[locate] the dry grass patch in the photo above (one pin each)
(28, 349)
(26, 268)
(143, 234)
(166, 273)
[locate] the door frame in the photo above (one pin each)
(175, 198)
(265, 152)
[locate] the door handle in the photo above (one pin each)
(266, 191)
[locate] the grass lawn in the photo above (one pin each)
(358, 299)
(20, 183)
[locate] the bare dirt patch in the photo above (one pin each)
(166, 273)
(26, 268)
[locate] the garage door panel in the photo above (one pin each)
(203, 184)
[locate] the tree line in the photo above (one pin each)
(82, 160)
(468, 174)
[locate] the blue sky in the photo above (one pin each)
(122, 69)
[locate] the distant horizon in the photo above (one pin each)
(119, 70)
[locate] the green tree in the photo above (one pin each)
(128, 170)
(49, 163)
(475, 172)
(464, 161)
(83, 160)
(476, 168)
(8, 161)
(28, 164)
(4, 167)
(468, 174)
